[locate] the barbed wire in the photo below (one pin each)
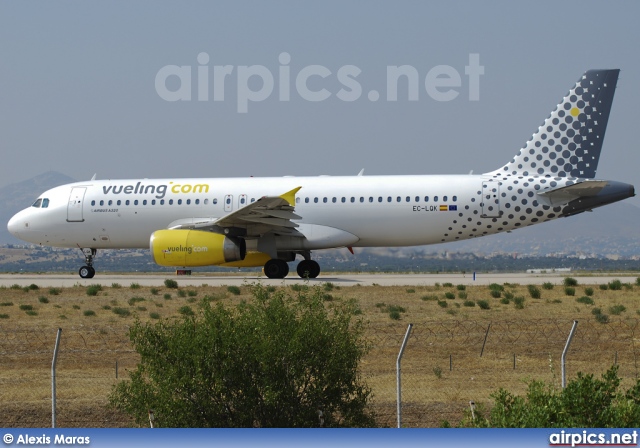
(446, 364)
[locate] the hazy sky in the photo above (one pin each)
(78, 85)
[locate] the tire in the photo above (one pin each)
(86, 272)
(308, 268)
(276, 268)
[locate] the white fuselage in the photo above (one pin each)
(358, 211)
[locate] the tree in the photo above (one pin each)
(586, 402)
(279, 361)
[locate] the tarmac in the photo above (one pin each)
(338, 279)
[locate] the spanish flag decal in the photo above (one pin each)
(444, 208)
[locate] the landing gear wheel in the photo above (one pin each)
(87, 272)
(276, 268)
(308, 269)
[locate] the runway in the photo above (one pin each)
(369, 279)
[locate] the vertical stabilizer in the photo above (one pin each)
(569, 142)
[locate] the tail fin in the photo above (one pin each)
(569, 142)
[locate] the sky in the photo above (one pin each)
(251, 88)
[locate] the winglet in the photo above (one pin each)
(290, 196)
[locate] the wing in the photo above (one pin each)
(268, 214)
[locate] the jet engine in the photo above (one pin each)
(195, 248)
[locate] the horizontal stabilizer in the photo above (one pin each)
(562, 195)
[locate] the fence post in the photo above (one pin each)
(398, 380)
(53, 379)
(564, 353)
(486, 335)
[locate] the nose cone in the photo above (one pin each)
(16, 225)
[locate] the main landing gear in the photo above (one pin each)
(276, 268)
(88, 271)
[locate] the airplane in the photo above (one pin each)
(242, 222)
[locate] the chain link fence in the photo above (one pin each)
(445, 366)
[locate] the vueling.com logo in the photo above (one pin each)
(188, 249)
(159, 190)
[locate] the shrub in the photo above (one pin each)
(154, 315)
(588, 291)
(167, 297)
(447, 285)
(534, 291)
(76, 307)
(496, 294)
(182, 293)
(617, 309)
(122, 312)
(43, 299)
(106, 307)
(299, 288)
(154, 291)
(116, 285)
(4, 316)
(89, 313)
(570, 291)
(134, 300)
(32, 313)
(469, 303)
(496, 287)
(234, 290)
(170, 283)
(638, 281)
(483, 304)
(604, 287)
(437, 371)
(505, 301)
(395, 315)
(411, 291)
(186, 310)
(462, 295)
(54, 291)
(547, 285)
(519, 302)
(135, 285)
(6, 304)
(26, 307)
(508, 295)
(615, 285)
(443, 303)
(93, 290)
(33, 287)
(568, 281)
(586, 300)
(461, 287)
(15, 286)
(449, 295)
(192, 293)
(429, 298)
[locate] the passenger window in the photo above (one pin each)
(188, 201)
(215, 201)
(344, 199)
(361, 199)
(297, 200)
(253, 199)
(379, 198)
(408, 199)
(306, 200)
(417, 198)
(370, 198)
(242, 200)
(315, 200)
(144, 202)
(101, 202)
(228, 201)
(324, 200)
(334, 200)
(399, 199)
(435, 199)
(110, 202)
(389, 199)
(444, 198)
(179, 201)
(126, 203)
(161, 201)
(45, 203)
(153, 202)
(426, 199)
(170, 202)
(93, 203)
(37, 203)
(197, 201)
(455, 198)
(353, 199)
(119, 202)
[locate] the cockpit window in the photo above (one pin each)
(37, 203)
(45, 203)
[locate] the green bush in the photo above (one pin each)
(443, 303)
(616, 310)
(32, 313)
(547, 285)
(395, 315)
(586, 300)
(496, 294)
(93, 290)
(496, 287)
(192, 293)
(429, 298)
(170, 283)
(54, 291)
(505, 301)
(4, 316)
(43, 299)
(122, 312)
(586, 402)
(568, 281)
(182, 293)
(461, 287)
(483, 304)
(588, 291)
(134, 300)
(469, 303)
(534, 291)
(604, 287)
(519, 302)
(234, 290)
(89, 313)
(411, 291)
(570, 291)
(615, 285)
(449, 295)
(243, 366)
(462, 295)
(135, 285)
(116, 285)
(186, 310)
(167, 296)
(154, 291)
(26, 307)
(447, 285)
(33, 287)
(6, 304)
(154, 315)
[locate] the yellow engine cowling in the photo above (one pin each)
(194, 248)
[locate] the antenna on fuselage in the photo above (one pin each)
(361, 172)
(94, 176)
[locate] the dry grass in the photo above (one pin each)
(442, 367)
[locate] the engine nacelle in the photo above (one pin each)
(194, 248)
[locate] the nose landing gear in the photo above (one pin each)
(87, 271)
